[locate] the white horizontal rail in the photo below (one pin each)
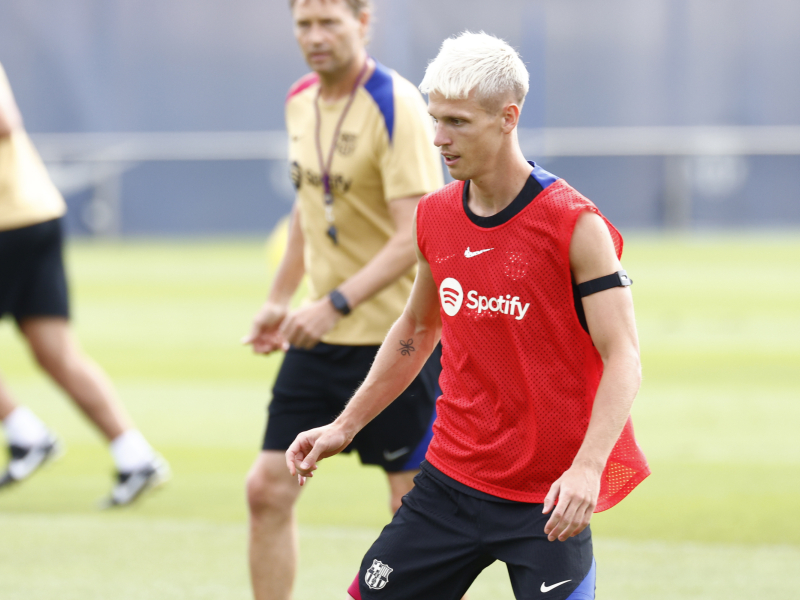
(549, 142)
(661, 141)
(161, 146)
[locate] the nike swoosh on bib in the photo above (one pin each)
(546, 588)
(469, 254)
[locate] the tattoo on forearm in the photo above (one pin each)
(406, 347)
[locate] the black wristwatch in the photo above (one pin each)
(339, 302)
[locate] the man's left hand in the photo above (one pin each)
(576, 491)
(304, 327)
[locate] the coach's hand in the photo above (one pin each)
(576, 492)
(314, 445)
(265, 335)
(305, 326)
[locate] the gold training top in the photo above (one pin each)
(384, 151)
(27, 196)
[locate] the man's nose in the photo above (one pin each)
(440, 138)
(316, 34)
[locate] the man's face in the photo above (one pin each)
(329, 34)
(468, 135)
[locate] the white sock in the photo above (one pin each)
(23, 428)
(131, 451)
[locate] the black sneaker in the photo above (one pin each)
(131, 485)
(26, 460)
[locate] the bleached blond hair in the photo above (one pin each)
(480, 62)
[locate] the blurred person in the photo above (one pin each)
(33, 290)
(362, 154)
(519, 275)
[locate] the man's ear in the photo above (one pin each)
(510, 115)
(364, 18)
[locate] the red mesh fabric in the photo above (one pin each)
(519, 373)
(626, 468)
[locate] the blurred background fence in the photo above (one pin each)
(701, 168)
(667, 113)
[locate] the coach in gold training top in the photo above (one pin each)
(33, 290)
(361, 153)
(383, 152)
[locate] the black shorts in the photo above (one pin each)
(313, 387)
(32, 278)
(441, 539)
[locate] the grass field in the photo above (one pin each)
(719, 322)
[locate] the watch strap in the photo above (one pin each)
(339, 302)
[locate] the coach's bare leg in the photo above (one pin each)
(7, 404)
(22, 427)
(57, 351)
(271, 495)
(400, 483)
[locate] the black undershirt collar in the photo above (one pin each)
(530, 190)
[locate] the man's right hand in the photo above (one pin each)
(265, 336)
(314, 445)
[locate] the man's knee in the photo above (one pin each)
(270, 488)
(51, 360)
(51, 343)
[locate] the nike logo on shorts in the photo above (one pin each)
(469, 254)
(546, 588)
(390, 456)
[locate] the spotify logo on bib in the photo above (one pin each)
(451, 296)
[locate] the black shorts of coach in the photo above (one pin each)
(32, 278)
(313, 387)
(445, 534)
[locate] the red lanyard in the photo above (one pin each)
(325, 166)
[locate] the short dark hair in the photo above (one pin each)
(357, 6)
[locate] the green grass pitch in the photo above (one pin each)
(717, 415)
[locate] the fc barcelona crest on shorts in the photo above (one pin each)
(377, 575)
